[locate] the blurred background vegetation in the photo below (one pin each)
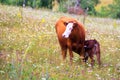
(101, 8)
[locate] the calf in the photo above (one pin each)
(92, 47)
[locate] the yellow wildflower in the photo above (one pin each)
(19, 15)
(114, 24)
(43, 20)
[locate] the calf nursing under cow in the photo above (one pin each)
(92, 47)
(71, 36)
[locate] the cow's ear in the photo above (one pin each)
(75, 24)
(65, 23)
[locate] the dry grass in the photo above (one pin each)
(29, 49)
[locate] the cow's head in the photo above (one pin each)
(69, 27)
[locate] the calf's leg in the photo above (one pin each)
(92, 59)
(86, 57)
(98, 58)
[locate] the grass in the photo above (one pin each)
(29, 49)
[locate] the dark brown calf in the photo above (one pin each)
(92, 47)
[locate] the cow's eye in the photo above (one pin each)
(65, 23)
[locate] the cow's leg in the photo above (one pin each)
(71, 55)
(64, 53)
(70, 50)
(82, 54)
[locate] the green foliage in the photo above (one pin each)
(90, 4)
(62, 6)
(112, 10)
(46, 3)
(103, 12)
(9, 2)
(32, 3)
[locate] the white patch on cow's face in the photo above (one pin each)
(68, 30)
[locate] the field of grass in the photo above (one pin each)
(29, 49)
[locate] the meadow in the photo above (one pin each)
(29, 49)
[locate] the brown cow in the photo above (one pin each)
(92, 47)
(71, 36)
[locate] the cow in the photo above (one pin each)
(92, 47)
(71, 36)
